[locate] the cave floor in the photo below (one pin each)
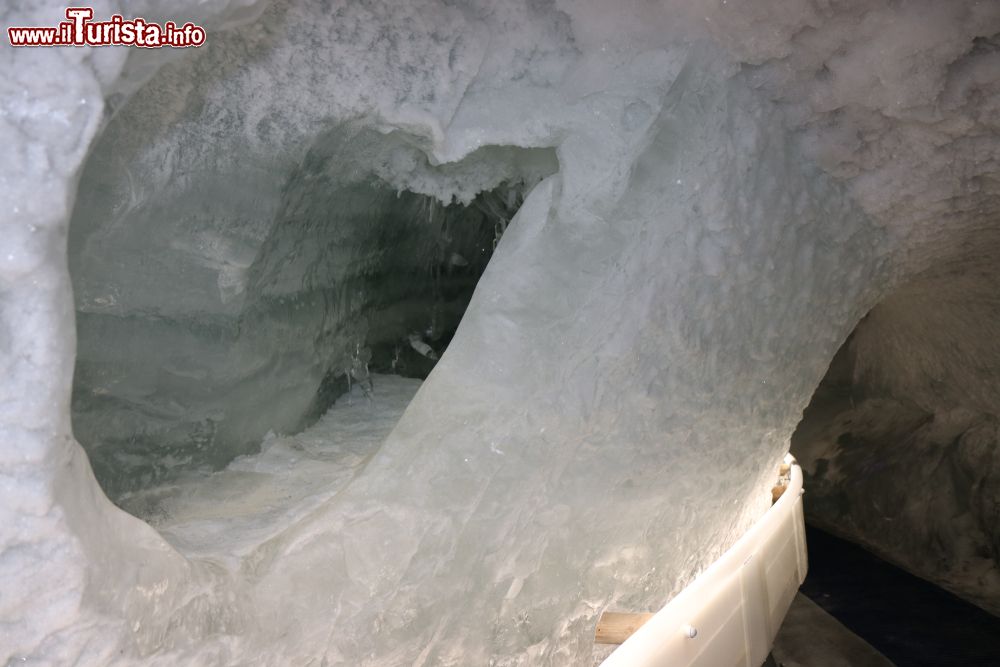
(810, 637)
(224, 515)
(909, 620)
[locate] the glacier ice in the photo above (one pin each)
(713, 199)
(227, 327)
(224, 515)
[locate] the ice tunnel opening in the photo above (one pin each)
(898, 443)
(215, 310)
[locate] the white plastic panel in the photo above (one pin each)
(736, 605)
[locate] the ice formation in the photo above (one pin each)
(715, 195)
(225, 515)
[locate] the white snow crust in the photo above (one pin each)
(736, 185)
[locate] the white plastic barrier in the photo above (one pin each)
(730, 614)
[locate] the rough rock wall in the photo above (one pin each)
(900, 440)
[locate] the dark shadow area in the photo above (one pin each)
(911, 621)
(900, 444)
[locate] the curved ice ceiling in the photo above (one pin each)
(721, 194)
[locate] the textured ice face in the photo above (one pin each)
(607, 417)
(904, 107)
(235, 274)
(220, 308)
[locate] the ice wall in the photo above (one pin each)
(61, 538)
(226, 305)
(902, 104)
(634, 359)
(234, 275)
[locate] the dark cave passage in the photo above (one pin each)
(909, 620)
(900, 444)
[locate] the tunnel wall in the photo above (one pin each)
(647, 332)
(211, 308)
(900, 439)
(901, 104)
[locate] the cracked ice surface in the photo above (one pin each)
(607, 418)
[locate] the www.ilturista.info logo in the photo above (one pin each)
(80, 30)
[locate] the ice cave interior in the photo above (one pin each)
(384, 333)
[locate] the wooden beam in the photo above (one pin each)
(614, 627)
(777, 492)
